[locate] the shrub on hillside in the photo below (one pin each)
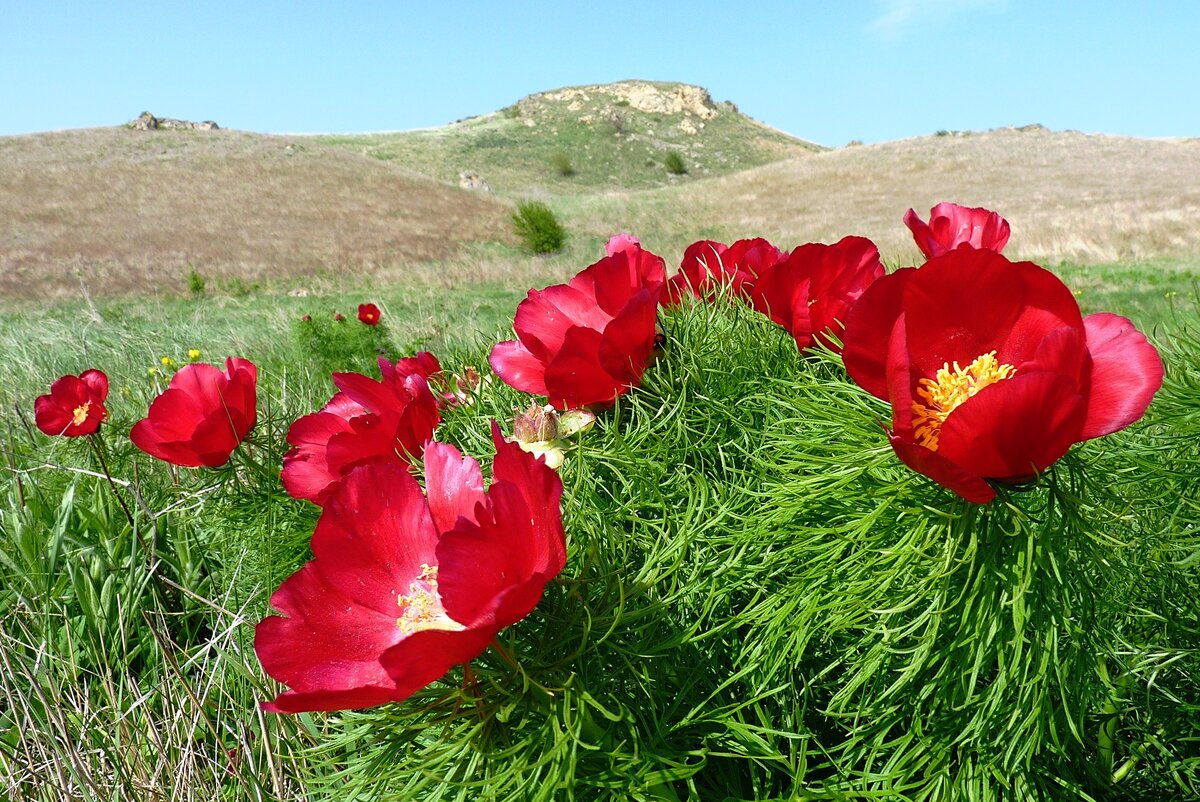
(538, 228)
(561, 163)
(674, 163)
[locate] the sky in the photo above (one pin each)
(829, 72)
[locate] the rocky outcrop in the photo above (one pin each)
(148, 122)
(639, 95)
(469, 179)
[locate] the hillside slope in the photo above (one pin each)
(134, 211)
(607, 137)
(1069, 196)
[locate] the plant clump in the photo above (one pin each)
(538, 227)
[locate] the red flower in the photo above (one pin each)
(202, 416)
(708, 265)
(402, 588)
(621, 242)
(368, 420)
(369, 314)
(588, 341)
(812, 290)
(75, 405)
(952, 226)
(338, 317)
(991, 371)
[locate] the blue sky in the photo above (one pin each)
(873, 70)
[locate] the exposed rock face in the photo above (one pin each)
(644, 97)
(469, 179)
(148, 122)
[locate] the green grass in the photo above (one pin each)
(760, 601)
(517, 150)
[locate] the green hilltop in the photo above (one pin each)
(585, 139)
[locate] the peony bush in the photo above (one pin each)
(785, 525)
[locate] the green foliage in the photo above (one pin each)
(561, 163)
(674, 163)
(538, 228)
(761, 602)
(337, 343)
(195, 282)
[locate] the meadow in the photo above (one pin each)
(760, 601)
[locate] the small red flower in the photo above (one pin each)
(74, 406)
(588, 341)
(368, 420)
(810, 292)
(306, 318)
(339, 317)
(952, 226)
(368, 314)
(707, 266)
(991, 370)
(202, 416)
(403, 587)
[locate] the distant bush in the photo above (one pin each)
(195, 282)
(538, 228)
(674, 163)
(561, 163)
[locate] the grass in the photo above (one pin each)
(760, 600)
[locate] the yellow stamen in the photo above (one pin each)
(80, 413)
(421, 608)
(950, 388)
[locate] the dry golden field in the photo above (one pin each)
(1068, 196)
(130, 211)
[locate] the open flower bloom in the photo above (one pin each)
(402, 587)
(368, 314)
(74, 406)
(991, 370)
(368, 420)
(708, 266)
(202, 415)
(952, 226)
(588, 341)
(810, 292)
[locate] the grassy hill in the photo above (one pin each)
(589, 138)
(133, 211)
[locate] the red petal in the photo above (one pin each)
(374, 536)
(424, 656)
(1126, 373)
(518, 368)
(921, 234)
(543, 318)
(1015, 428)
(941, 470)
(575, 378)
(453, 485)
(326, 648)
(869, 327)
(97, 383)
(628, 340)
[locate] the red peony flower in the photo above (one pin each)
(588, 341)
(368, 420)
(202, 416)
(810, 292)
(75, 405)
(952, 226)
(368, 314)
(707, 266)
(621, 242)
(991, 370)
(402, 588)
(338, 317)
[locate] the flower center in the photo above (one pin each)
(80, 413)
(421, 608)
(948, 389)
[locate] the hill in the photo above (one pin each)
(585, 139)
(133, 211)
